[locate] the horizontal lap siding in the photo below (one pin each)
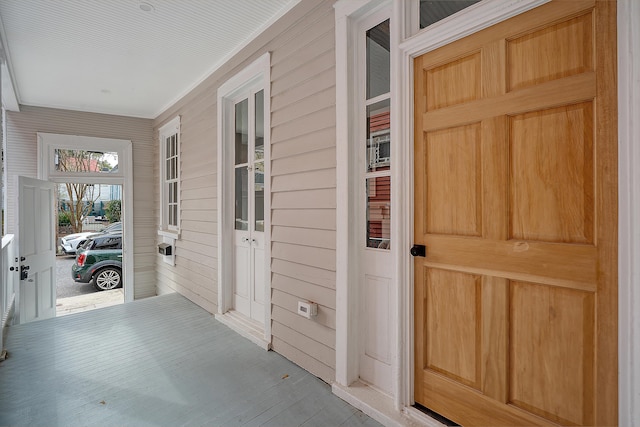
(21, 159)
(303, 184)
(304, 187)
(195, 272)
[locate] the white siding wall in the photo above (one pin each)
(303, 184)
(21, 159)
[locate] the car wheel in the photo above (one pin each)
(107, 278)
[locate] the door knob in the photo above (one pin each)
(418, 250)
(245, 239)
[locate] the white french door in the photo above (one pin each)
(249, 194)
(375, 244)
(37, 249)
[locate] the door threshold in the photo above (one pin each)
(248, 328)
(381, 407)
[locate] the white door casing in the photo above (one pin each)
(251, 244)
(37, 249)
(48, 142)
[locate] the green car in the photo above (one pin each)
(99, 259)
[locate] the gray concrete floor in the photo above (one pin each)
(161, 361)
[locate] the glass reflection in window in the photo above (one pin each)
(379, 136)
(379, 212)
(242, 199)
(259, 146)
(432, 11)
(378, 60)
(259, 196)
(242, 132)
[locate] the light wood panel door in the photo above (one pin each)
(515, 201)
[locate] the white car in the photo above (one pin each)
(70, 242)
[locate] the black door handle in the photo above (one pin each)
(418, 250)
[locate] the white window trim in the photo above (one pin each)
(170, 128)
(257, 73)
(48, 142)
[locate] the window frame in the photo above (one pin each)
(168, 130)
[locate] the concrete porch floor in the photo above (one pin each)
(162, 361)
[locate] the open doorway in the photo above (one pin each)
(89, 260)
(92, 178)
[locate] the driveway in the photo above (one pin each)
(65, 285)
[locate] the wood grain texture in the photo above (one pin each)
(454, 181)
(553, 149)
(552, 349)
(545, 252)
(452, 313)
(551, 53)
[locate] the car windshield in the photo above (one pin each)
(115, 227)
(85, 244)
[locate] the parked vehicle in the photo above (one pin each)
(99, 260)
(70, 242)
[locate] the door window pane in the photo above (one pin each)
(378, 60)
(259, 149)
(242, 132)
(241, 198)
(259, 196)
(379, 136)
(432, 11)
(379, 212)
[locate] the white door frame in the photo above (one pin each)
(48, 142)
(629, 212)
(471, 20)
(256, 73)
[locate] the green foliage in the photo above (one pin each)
(113, 210)
(63, 218)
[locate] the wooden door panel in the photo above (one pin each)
(454, 83)
(551, 53)
(552, 349)
(515, 199)
(454, 181)
(452, 314)
(552, 150)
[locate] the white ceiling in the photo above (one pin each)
(109, 56)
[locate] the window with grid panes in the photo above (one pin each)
(170, 175)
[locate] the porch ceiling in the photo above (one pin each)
(114, 57)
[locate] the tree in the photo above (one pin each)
(113, 210)
(81, 196)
